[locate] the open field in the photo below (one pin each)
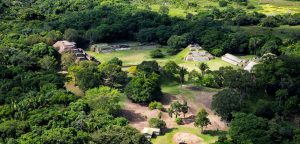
(283, 32)
(268, 7)
(136, 56)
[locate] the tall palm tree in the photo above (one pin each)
(203, 67)
(182, 72)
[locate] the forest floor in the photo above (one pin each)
(196, 97)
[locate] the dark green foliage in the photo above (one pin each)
(157, 123)
(177, 42)
(71, 35)
(201, 119)
(148, 67)
(36, 108)
(249, 128)
(269, 22)
(226, 102)
(56, 135)
(117, 135)
(113, 75)
(104, 98)
(115, 61)
(48, 63)
(223, 3)
(155, 105)
(87, 75)
(250, 6)
(157, 53)
(171, 70)
(144, 88)
(179, 121)
(13, 128)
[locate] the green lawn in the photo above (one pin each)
(136, 56)
(167, 137)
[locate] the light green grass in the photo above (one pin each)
(284, 32)
(269, 7)
(135, 57)
(167, 138)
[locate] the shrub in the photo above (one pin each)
(250, 6)
(121, 121)
(155, 105)
(157, 53)
(269, 21)
(157, 123)
(223, 3)
(179, 121)
(159, 115)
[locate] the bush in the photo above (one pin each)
(223, 3)
(269, 21)
(155, 105)
(157, 53)
(172, 51)
(159, 115)
(179, 121)
(157, 123)
(250, 6)
(217, 52)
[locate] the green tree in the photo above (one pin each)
(87, 75)
(176, 108)
(171, 69)
(48, 63)
(248, 128)
(177, 42)
(68, 59)
(144, 88)
(157, 123)
(203, 67)
(164, 10)
(113, 75)
(119, 135)
(148, 67)
(201, 119)
(104, 98)
(41, 49)
(115, 61)
(71, 35)
(226, 102)
(184, 108)
(269, 21)
(182, 73)
(223, 3)
(157, 53)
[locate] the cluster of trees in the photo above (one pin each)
(36, 108)
(90, 22)
(177, 108)
(262, 106)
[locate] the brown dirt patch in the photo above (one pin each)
(186, 138)
(138, 115)
(70, 86)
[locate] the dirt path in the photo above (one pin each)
(138, 115)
